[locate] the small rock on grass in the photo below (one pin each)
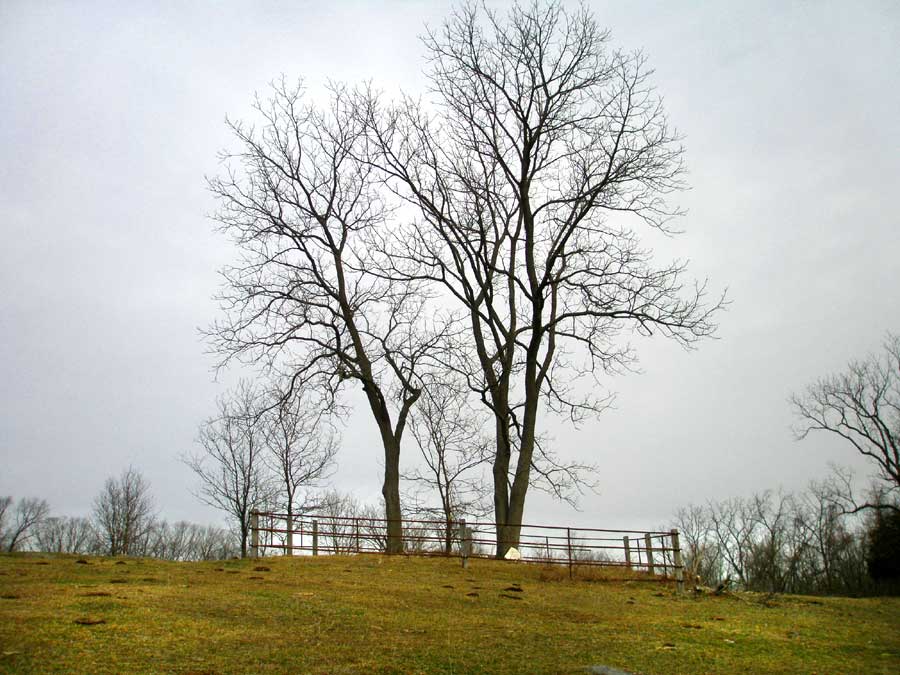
(262, 568)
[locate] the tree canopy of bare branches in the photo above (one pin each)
(861, 406)
(304, 210)
(541, 148)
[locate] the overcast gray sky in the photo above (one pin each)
(112, 113)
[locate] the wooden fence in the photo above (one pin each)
(658, 554)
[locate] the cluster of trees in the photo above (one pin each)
(123, 522)
(264, 450)
(486, 236)
(793, 543)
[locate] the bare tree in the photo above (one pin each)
(303, 302)
(340, 522)
(124, 513)
(539, 135)
(702, 558)
(862, 406)
(28, 514)
(302, 444)
(452, 444)
(231, 461)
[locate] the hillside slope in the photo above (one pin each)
(372, 614)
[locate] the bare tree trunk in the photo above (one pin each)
(391, 492)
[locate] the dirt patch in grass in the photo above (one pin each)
(89, 621)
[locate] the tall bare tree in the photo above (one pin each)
(302, 444)
(543, 147)
(861, 406)
(305, 212)
(124, 513)
(18, 525)
(231, 462)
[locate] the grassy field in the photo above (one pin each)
(372, 614)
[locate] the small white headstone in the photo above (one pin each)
(513, 554)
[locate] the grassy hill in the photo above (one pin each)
(372, 614)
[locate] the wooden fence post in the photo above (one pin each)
(679, 563)
(356, 523)
(254, 534)
(649, 544)
(569, 544)
(463, 543)
(627, 544)
(315, 537)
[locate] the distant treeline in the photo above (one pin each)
(802, 543)
(123, 522)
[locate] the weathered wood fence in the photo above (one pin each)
(657, 554)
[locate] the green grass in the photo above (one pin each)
(372, 614)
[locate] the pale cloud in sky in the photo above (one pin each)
(112, 114)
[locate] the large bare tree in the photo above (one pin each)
(305, 213)
(231, 461)
(539, 155)
(861, 406)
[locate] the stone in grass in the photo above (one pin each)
(606, 670)
(262, 568)
(82, 561)
(89, 621)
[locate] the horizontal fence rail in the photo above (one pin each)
(656, 554)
